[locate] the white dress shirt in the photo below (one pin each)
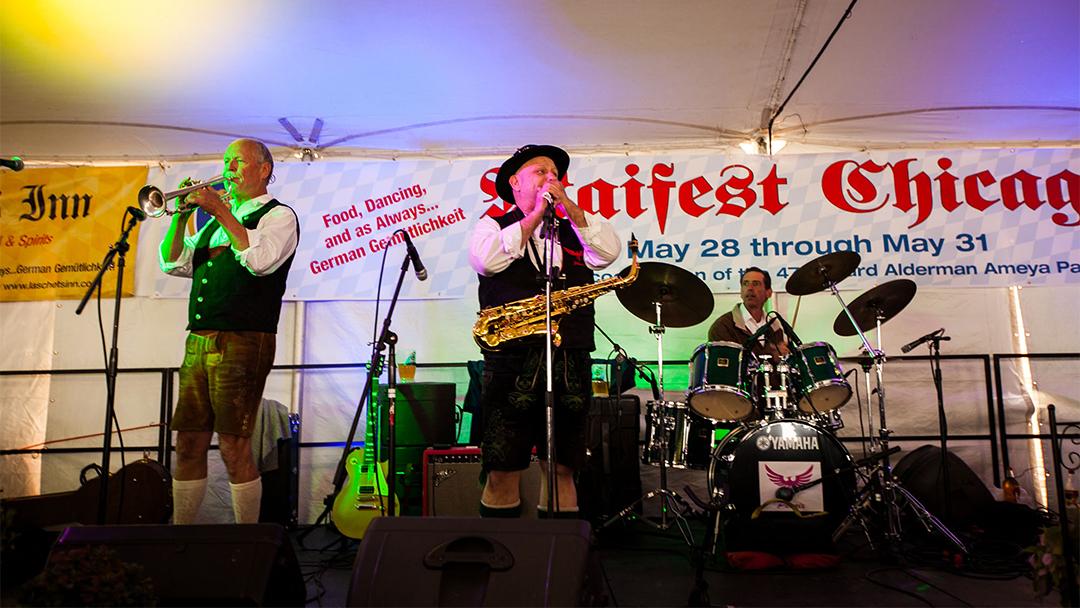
(753, 325)
(270, 243)
(493, 249)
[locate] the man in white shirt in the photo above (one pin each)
(238, 263)
(747, 317)
(507, 253)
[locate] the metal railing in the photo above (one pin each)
(996, 434)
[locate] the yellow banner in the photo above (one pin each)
(56, 225)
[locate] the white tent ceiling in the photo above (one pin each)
(139, 79)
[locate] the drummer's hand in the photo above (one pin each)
(783, 348)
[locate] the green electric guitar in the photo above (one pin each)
(364, 495)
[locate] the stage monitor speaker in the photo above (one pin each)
(452, 483)
(922, 472)
(442, 561)
(204, 565)
(425, 415)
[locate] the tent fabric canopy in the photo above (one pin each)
(128, 80)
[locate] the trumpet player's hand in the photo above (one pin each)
(184, 209)
(210, 201)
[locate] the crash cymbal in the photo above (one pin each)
(817, 274)
(684, 297)
(885, 300)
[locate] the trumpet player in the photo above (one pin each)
(507, 254)
(238, 262)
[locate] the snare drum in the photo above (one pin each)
(688, 439)
(819, 382)
(720, 385)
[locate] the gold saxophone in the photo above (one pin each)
(522, 318)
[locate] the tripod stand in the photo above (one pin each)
(672, 506)
(664, 294)
(871, 310)
(880, 487)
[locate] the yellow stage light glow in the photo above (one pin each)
(81, 45)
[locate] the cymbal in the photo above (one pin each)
(885, 300)
(685, 299)
(815, 275)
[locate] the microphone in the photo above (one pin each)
(930, 336)
(137, 213)
(421, 272)
(549, 217)
(14, 163)
(789, 330)
(757, 334)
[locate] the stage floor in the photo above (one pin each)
(643, 566)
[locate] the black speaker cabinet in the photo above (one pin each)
(452, 484)
(204, 565)
(409, 480)
(425, 415)
(442, 561)
(280, 487)
(611, 478)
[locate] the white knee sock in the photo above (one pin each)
(246, 500)
(187, 498)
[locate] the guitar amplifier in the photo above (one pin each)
(452, 483)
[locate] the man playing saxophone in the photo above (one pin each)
(507, 252)
(238, 263)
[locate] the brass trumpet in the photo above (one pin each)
(154, 203)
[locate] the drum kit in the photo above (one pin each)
(780, 475)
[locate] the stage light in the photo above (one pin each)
(308, 155)
(760, 146)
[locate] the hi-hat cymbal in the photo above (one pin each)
(817, 274)
(685, 299)
(885, 300)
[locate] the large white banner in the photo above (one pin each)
(966, 218)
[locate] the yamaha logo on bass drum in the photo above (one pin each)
(772, 442)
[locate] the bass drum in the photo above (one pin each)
(753, 463)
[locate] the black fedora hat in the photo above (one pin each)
(523, 155)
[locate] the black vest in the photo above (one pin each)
(522, 280)
(226, 296)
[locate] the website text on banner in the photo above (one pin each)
(966, 218)
(57, 224)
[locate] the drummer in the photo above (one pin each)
(748, 316)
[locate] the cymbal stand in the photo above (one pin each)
(667, 497)
(881, 478)
(672, 506)
(865, 364)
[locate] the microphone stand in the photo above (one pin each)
(548, 233)
(387, 340)
(120, 247)
(934, 343)
(796, 347)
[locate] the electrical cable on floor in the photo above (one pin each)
(607, 583)
(933, 586)
(869, 576)
(985, 565)
(342, 558)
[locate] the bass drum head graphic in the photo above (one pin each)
(781, 487)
